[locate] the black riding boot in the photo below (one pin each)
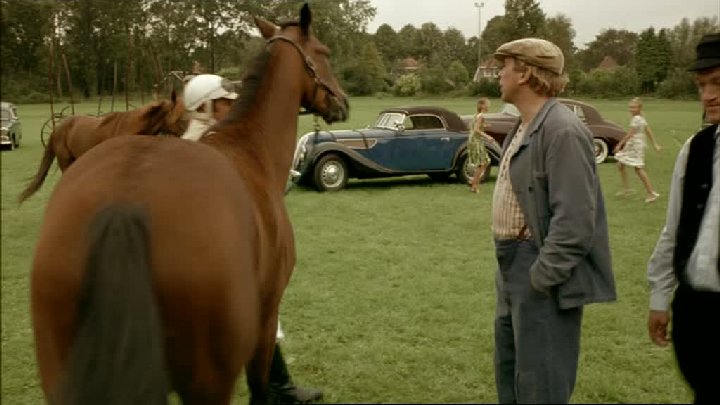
(282, 389)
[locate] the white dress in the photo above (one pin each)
(633, 153)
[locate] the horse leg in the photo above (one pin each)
(258, 369)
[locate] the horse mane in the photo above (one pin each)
(253, 78)
(251, 82)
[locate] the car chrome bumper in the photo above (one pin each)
(299, 158)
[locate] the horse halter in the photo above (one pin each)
(312, 71)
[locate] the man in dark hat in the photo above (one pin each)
(686, 261)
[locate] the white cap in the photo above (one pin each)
(206, 87)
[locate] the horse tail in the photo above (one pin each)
(118, 353)
(42, 171)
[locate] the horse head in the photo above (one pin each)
(321, 93)
(166, 117)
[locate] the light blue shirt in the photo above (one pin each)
(701, 270)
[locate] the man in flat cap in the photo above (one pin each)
(686, 261)
(550, 230)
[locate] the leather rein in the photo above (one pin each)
(312, 71)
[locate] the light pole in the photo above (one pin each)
(479, 6)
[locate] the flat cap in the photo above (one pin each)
(534, 51)
(708, 53)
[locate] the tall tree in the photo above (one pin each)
(684, 37)
(386, 42)
(528, 19)
(620, 44)
(368, 74)
(407, 41)
(493, 36)
(559, 30)
(653, 58)
(429, 39)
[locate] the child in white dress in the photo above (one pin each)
(630, 151)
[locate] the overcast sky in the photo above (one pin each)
(589, 17)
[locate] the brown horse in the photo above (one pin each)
(78, 134)
(161, 263)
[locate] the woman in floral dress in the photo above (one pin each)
(630, 151)
(477, 154)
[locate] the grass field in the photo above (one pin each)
(392, 299)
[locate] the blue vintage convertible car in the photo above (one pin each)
(402, 141)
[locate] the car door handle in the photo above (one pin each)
(445, 138)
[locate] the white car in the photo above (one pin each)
(11, 133)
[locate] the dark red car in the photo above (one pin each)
(606, 134)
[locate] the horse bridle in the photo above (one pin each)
(312, 71)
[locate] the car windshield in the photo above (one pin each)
(389, 120)
(510, 109)
(6, 115)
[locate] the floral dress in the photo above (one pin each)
(633, 153)
(476, 147)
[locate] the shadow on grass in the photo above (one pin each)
(393, 182)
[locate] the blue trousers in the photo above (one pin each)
(537, 345)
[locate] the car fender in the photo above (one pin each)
(353, 158)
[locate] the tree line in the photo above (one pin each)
(114, 46)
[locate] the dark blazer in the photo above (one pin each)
(553, 175)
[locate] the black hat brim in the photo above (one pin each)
(706, 63)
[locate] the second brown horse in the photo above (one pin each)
(79, 133)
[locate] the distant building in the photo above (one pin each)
(608, 63)
(406, 66)
(488, 69)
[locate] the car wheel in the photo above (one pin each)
(16, 143)
(330, 173)
(465, 170)
(601, 150)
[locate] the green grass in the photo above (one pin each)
(393, 295)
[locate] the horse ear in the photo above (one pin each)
(305, 19)
(267, 29)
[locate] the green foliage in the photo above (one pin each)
(653, 58)
(493, 35)
(623, 81)
(484, 88)
(685, 36)
(621, 45)
(435, 80)
(407, 85)
(525, 17)
(559, 30)
(386, 42)
(367, 75)
(679, 84)
(457, 74)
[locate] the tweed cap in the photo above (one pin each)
(708, 53)
(534, 51)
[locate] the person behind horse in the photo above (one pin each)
(550, 230)
(209, 98)
(476, 146)
(684, 269)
